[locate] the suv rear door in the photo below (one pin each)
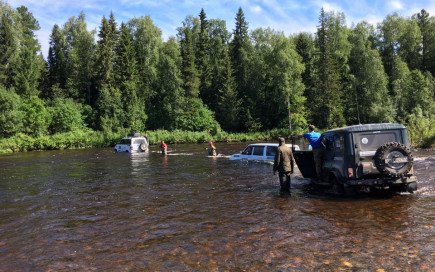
(366, 144)
(303, 157)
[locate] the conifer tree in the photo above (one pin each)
(202, 61)
(57, 58)
(327, 108)
(109, 96)
(29, 65)
(427, 29)
(8, 49)
(127, 81)
(240, 51)
(188, 68)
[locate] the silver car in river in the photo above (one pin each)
(259, 152)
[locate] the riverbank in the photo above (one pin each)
(92, 139)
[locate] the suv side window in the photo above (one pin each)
(329, 142)
(271, 151)
(126, 141)
(258, 150)
(339, 143)
(247, 151)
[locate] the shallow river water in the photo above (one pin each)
(95, 210)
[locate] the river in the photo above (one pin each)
(95, 210)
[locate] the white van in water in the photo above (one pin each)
(134, 142)
(259, 152)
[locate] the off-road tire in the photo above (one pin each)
(393, 159)
(143, 147)
(337, 186)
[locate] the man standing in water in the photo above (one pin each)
(163, 147)
(316, 142)
(211, 149)
(283, 163)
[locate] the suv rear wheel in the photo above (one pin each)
(337, 186)
(393, 159)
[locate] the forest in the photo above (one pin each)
(100, 84)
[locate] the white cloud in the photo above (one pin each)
(332, 7)
(256, 9)
(395, 5)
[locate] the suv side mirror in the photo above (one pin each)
(356, 145)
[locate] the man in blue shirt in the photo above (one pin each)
(316, 142)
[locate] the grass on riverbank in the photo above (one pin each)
(91, 139)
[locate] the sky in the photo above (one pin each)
(288, 16)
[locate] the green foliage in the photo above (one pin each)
(10, 113)
(368, 99)
(188, 68)
(80, 54)
(129, 79)
(57, 59)
(66, 116)
(69, 140)
(421, 128)
(9, 39)
(332, 69)
(197, 118)
(36, 117)
(168, 101)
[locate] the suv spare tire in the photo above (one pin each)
(393, 159)
(143, 147)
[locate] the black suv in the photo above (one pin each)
(362, 157)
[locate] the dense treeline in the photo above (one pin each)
(124, 77)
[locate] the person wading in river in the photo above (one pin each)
(211, 149)
(163, 147)
(283, 163)
(317, 143)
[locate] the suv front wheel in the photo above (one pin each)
(393, 159)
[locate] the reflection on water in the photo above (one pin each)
(94, 210)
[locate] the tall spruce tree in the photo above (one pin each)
(188, 68)
(106, 51)
(127, 81)
(304, 43)
(8, 48)
(202, 61)
(218, 57)
(328, 107)
(240, 52)
(228, 103)
(29, 65)
(57, 58)
(109, 109)
(426, 24)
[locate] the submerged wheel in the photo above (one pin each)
(411, 187)
(337, 186)
(393, 159)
